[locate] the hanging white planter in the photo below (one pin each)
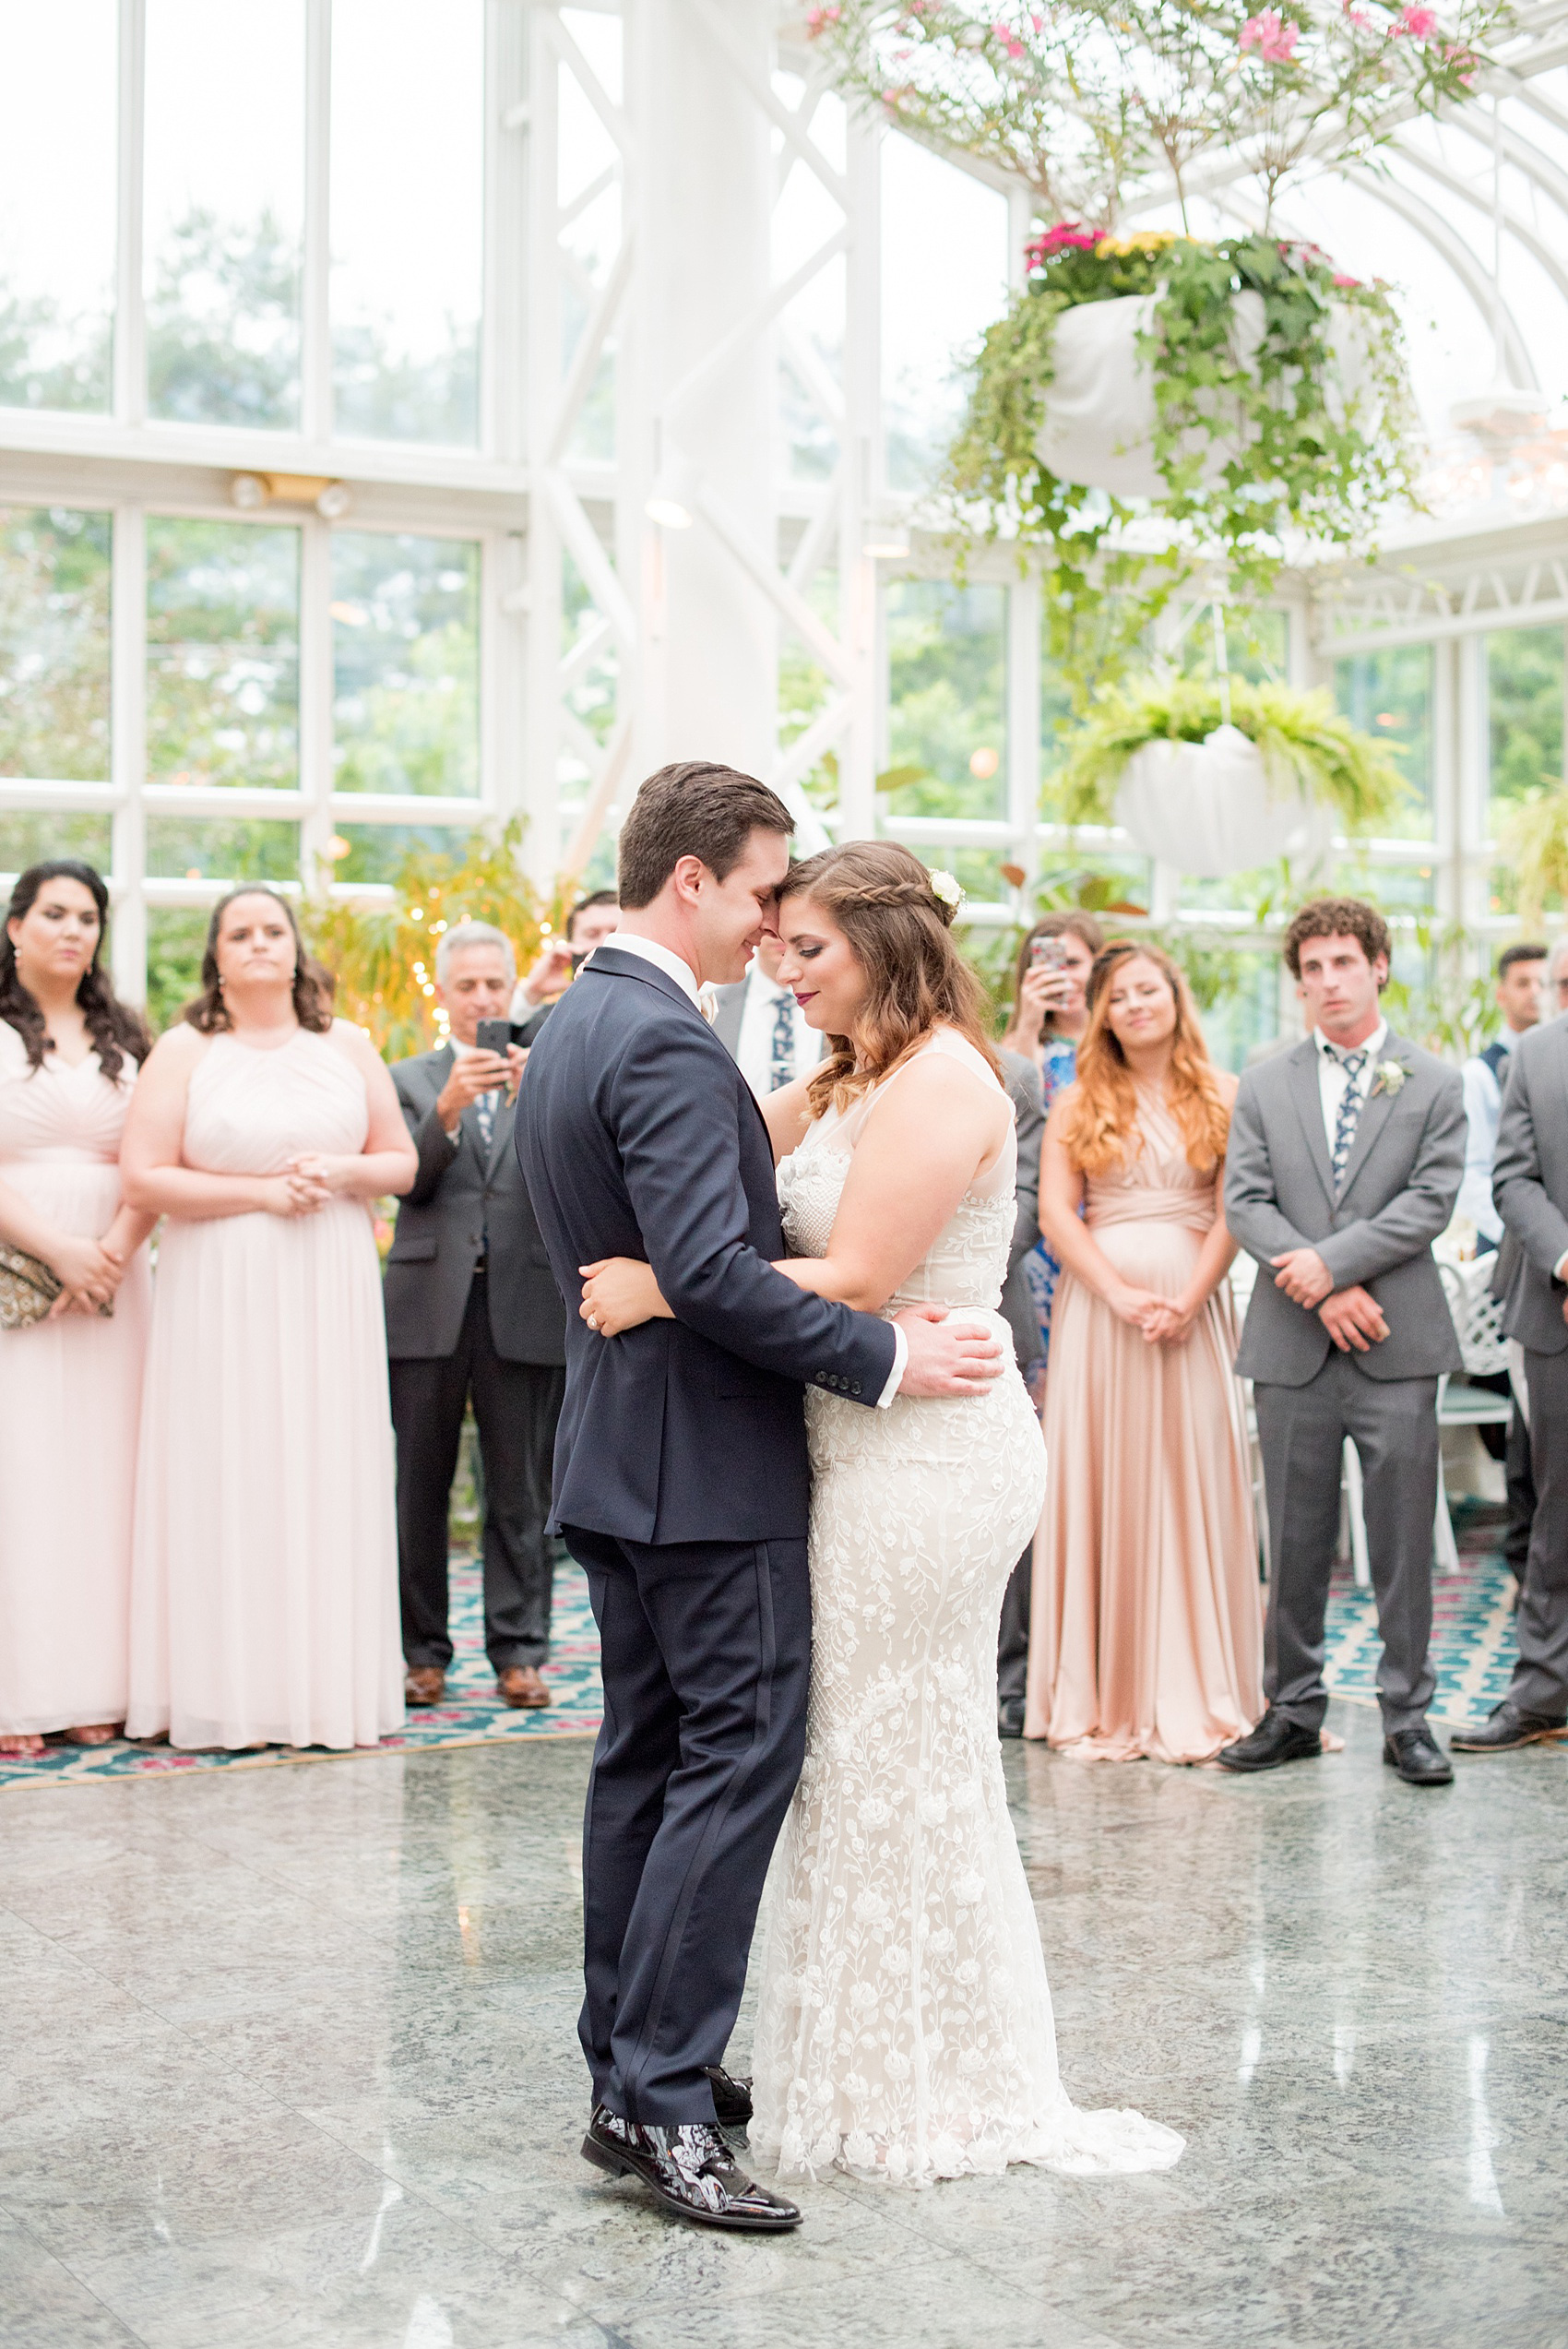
(1216, 806)
(1099, 408)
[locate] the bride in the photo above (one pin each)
(905, 2029)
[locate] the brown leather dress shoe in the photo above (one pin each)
(424, 1684)
(520, 1684)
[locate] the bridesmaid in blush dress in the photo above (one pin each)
(1147, 1623)
(70, 1385)
(265, 1579)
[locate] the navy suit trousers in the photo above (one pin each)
(706, 1657)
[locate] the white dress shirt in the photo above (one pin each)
(1332, 1079)
(685, 978)
(764, 1000)
(1483, 1109)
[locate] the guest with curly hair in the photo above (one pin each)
(265, 1573)
(70, 1382)
(1147, 1627)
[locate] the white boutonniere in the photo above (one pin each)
(1388, 1077)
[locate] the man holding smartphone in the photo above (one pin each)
(473, 1312)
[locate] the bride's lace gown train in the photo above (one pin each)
(905, 2027)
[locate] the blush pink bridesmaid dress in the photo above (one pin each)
(70, 1398)
(1146, 1625)
(264, 1583)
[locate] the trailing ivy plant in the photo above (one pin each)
(1533, 837)
(1296, 462)
(1301, 733)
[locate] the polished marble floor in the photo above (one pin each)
(289, 2064)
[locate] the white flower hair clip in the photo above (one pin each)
(947, 887)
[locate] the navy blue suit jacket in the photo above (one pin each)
(638, 1135)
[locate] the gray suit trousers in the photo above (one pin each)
(1393, 1423)
(1540, 1676)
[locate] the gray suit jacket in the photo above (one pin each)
(1017, 1306)
(1530, 1185)
(1400, 1184)
(461, 1192)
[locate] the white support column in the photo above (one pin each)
(538, 594)
(863, 476)
(315, 701)
(127, 737)
(130, 339)
(315, 390)
(708, 681)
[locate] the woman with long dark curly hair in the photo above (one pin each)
(1147, 1630)
(70, 1384)
(265, 1579)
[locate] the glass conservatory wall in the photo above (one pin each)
(192, 693)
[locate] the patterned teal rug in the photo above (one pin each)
(1472, 1650)
(471, 1714)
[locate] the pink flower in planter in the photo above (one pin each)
(1419, 23)
(1009, 39)
(817, 20)
(1274, 40)
(1341, 280)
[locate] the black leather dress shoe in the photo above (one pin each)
(1508, 1727)
(1010, 1717)
(1275, 1740)
(1417, 1756)
(731, 2098)
(690, 2171)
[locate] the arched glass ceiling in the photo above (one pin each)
(1466, 215)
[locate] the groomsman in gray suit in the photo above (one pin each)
(1530, 1189)
(1345, 1160)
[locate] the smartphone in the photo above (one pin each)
(1049, 954)
(493, 1036)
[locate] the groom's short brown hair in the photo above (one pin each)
(692, 809)
(1336, 917)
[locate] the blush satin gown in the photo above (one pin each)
(70, 1401)
(264, 1589)
(1146, 1614)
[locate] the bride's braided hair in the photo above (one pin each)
(902, 935)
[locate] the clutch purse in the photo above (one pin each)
(27, 1289)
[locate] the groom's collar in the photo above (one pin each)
(662, 958)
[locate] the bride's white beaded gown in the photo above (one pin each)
(905, 2028)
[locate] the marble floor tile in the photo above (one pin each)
(290, 2063)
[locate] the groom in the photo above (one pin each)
(1343, 1167)
(681, 1476)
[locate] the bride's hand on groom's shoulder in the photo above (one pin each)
(620, 1292)
(947, 1357)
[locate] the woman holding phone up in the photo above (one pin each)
(1049, 1018)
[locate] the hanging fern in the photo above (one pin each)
(1301, 734)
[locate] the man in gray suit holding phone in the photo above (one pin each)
(1345, 1159)
(473, 1311)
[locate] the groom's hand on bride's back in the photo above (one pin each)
(947, 1357)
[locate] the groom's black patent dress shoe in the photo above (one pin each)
(731, 2098)
(1417, 1756)
(690, 2171)
(1275, 1740)
(1506, 1728)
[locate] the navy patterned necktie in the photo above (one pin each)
(484, 1111)
(1344, 1125)
(781, 1050)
